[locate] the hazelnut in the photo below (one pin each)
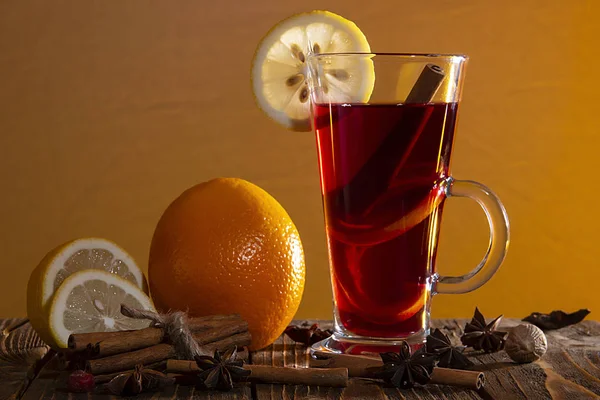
(526, 343)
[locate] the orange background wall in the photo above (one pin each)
(110, 109)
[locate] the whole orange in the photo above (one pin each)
(226, 246)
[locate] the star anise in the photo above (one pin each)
(484, 337)
(307, 335)
(448, 356)
(140, 380)
(221, 370)
(403, 370)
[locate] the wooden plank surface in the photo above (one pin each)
(49, 391)
(51, 385)
(284, 352)
(570, 370)
(20, 350)
(561, 374)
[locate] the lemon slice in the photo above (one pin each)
(71, 257)
(279, 67)
(90, 301)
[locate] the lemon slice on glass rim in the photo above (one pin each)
(279, 68)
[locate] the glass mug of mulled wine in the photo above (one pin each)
(384, 157)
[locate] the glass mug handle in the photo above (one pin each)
(499, 238)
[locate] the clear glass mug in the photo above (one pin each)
(385, 126)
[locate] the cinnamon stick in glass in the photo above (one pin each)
(422, 92)
(427, 84)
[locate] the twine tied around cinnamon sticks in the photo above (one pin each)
(175, 327)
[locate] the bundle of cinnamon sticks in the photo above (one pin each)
(110, 352)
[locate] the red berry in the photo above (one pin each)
(80, 381)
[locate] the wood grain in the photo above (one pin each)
(570, 370)
(20, 351)
(50, 385)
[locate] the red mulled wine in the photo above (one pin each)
(382, 173)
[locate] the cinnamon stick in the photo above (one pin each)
(208, 329)
(239, 340)
(358, 366)
(456, 377)
(331, 377)
(362, 366)
(117, 342)
(221, 332)
(196, 324)
(427, 84)
(159, 352)
(78, 341)
(126, 361)
(182, 367)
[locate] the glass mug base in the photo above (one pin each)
(340, 343)
(343, 341)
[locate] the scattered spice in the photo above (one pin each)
(403, 370)
(80, 381)
(140, 380)
(484, 337)
(556, 319)
(77, 359)
(526, 343)
(307, 335)
(221, 370)
(448, 356)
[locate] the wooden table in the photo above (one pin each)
(570, 370)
